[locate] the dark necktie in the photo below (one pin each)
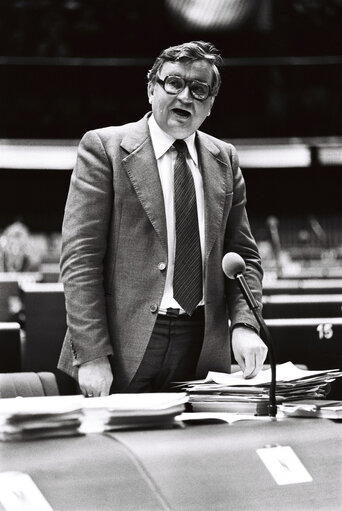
(187, 279)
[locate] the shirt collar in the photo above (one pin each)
(162, 142)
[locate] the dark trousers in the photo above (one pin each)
(172, 352)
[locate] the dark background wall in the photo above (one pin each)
(68, 66)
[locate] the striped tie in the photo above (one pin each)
(187, 279)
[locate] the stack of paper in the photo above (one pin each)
(320, 408)
(233, 393)
(132, 411)
(25, 418)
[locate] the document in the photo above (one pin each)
(223, 392)
(285, 372)
(18, 492)
(132, 411)
(284, 465)
(320, 408)
(228, 418)
(24, 418)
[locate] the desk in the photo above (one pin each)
(211, 467)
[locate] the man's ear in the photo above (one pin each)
(150, 91)
(212, 99)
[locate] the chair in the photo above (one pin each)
(45, 327)
(28, 384)
(9, 290)
(10, 347)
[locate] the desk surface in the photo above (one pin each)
(212, 467)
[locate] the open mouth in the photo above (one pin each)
(182, 113)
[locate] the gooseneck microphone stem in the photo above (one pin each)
(265, 336)
(233, 267)
(247, 293)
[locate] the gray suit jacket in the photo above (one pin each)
(114, 237)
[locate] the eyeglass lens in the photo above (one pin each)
(175, 84)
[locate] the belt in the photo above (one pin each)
(178, 313)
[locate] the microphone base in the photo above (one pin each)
(272, 411)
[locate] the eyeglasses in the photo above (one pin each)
(175, 84)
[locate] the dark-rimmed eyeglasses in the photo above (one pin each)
(175, 84)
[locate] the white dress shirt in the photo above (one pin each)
(166, 155)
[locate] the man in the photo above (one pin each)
(153, 206)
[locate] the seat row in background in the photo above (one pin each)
(306, 328)
(304, 316)
(32, 327)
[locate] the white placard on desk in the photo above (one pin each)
(18, 492)
(284, 465)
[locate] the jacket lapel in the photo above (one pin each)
(141, 167)
(214, 172)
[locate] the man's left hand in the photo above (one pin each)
(249, 350)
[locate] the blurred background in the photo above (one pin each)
(67, 66)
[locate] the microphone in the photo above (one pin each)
(234, 267)
(318, 230)
(273, 223)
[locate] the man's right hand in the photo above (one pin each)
(95, 377)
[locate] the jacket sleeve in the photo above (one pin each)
(84, 234)
(239, 239)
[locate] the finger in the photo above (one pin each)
(240, 361)
(251, 374)
(90, 389)
(105, 390)
(259, 359)
(84, 390)
(250, 367)
(98, 391)
(89, 393)
(259, 362)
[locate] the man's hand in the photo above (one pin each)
(249, 350)
(95, 377)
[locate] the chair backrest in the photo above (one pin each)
(45, 327)
(10, 347)
(28, 384)
(9, 290)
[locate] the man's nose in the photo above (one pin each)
(185, 95)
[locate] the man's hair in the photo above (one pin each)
(189, 52)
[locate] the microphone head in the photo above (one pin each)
(233, 264)
(272, 222)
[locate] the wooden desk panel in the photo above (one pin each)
(197, 468)
(217, 467)
(90, 473)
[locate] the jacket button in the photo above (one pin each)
(153, 307)
(161, 266)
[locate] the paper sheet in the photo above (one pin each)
(285, 372)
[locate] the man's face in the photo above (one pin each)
(180, 115)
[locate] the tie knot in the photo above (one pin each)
(180, 146)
